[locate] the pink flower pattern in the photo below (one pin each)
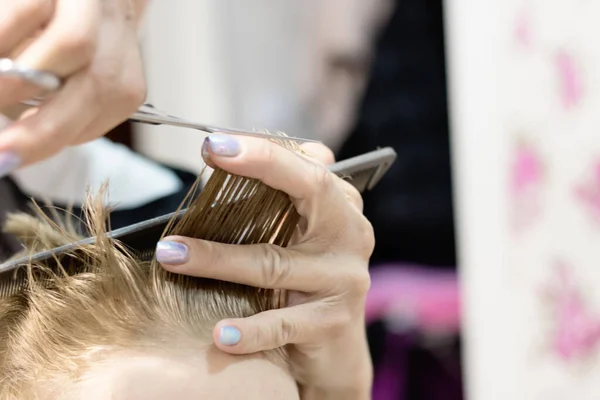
(576, 332)
(576, 329)
(570, 79)
(523, 32)
(526, 180)
(588, 193)
(571, 83)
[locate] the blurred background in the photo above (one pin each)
(356, 74)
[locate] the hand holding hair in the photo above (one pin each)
(93, 46)
(324, 270)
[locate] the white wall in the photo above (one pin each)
(185, 78)
(478, 148)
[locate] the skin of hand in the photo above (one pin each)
(325, 270)
(93, 46)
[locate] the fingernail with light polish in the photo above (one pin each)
(205, 152)
(224, 145)
(9, 161)
(229, 335)
(171, 252)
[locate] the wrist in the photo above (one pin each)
(349, 377)
(353, 386)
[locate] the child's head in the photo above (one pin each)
(127, 329)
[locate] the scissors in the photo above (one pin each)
(146, 114)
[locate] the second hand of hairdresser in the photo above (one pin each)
(93, 46)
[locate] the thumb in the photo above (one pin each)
(267, 330)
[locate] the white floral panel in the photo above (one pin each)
(525, 102)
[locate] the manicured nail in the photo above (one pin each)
(229, 335)
(205, 152)
(171, 252)
(224, 145)
(9, 161)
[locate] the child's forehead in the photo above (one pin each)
(211, 374)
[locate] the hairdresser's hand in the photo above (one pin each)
(93, 46)
(325, 270)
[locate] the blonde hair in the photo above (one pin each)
(62, 324)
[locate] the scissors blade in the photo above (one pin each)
(148, 114)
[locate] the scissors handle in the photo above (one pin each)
(44, 80)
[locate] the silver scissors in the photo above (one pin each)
(146, 114)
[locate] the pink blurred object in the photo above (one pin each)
(577, 331)
(526, 171)
(427, 300)
(523, 29)
(526, 178)
(589, 192)
(571, 84)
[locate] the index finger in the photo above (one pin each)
(310, 184)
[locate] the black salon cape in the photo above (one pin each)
(13, 200)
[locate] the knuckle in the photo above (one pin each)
(267, 153)
(48, 129)
(78, 44)
(319, 152)
(322, 176)
(358, 236)
(366, 238)
(134, 94)
(285, 332)
(355, 197)
(275, 266)
(326, 155)
(358, 281)
(320, 179)
(272, 332)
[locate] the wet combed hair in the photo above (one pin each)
(57, 329)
